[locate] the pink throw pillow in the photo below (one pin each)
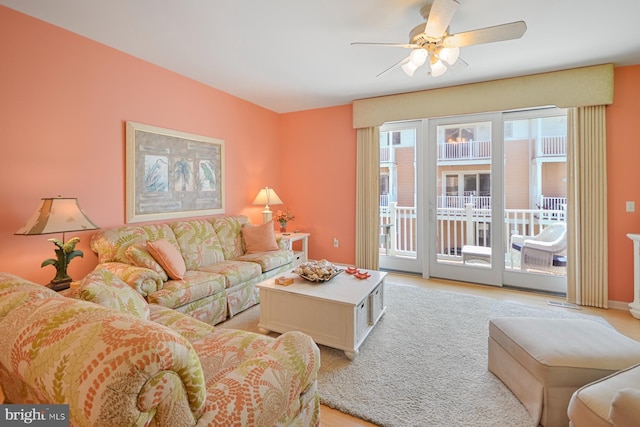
(168, 257)
(260, 238)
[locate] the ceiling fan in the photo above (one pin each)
(431, 42)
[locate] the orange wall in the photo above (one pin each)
(64, 101)
(623, 176)
(318, 157)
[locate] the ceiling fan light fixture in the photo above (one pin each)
(449, 54)
(432, 40)
(418, 56)
(438, 68)
(409, 68)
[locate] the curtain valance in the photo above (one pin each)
(579, 87)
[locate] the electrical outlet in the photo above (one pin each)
(335, 242)
(631, 206)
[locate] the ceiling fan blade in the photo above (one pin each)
(440, 16)
(405, 45)
(401, 62)
(513, 30)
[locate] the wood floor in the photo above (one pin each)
(619, 319)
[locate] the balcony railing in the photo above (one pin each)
(545, 202)
(398, 230)
(552, 146)
(462, 201)
(457, 227)
(387, 155)
(468, 150)
(549, 146)
(552, 203)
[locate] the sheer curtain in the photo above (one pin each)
(587, 270)
(367, 197)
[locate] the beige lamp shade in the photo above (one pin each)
(57, 215)
(267, 196)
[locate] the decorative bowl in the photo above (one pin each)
(317, 271)
(318, 278)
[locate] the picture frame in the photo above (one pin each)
(172, 174)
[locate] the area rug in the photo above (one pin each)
(425, 362)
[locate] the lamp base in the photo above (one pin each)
(267, 216)
(60, 285)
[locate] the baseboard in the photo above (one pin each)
(618, 305)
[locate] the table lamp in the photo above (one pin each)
(59, 215)
(266, 196)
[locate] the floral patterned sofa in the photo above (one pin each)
(224, 258)
(117, 360)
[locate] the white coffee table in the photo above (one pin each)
(339, 313)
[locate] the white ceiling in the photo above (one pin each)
(293, 55)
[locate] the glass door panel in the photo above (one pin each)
(399, 226)
(462, 184)
(535, 146)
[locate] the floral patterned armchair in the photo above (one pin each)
(116, 360)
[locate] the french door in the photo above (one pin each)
(460, 195)
(494, 181)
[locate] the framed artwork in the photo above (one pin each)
(172, 174)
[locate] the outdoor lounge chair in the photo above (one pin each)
(544, 251)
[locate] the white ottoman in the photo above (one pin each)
(544, 361)
(612, 400)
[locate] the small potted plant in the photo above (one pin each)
(283, 217)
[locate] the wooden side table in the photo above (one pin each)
(301, 255)
(72, 291)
